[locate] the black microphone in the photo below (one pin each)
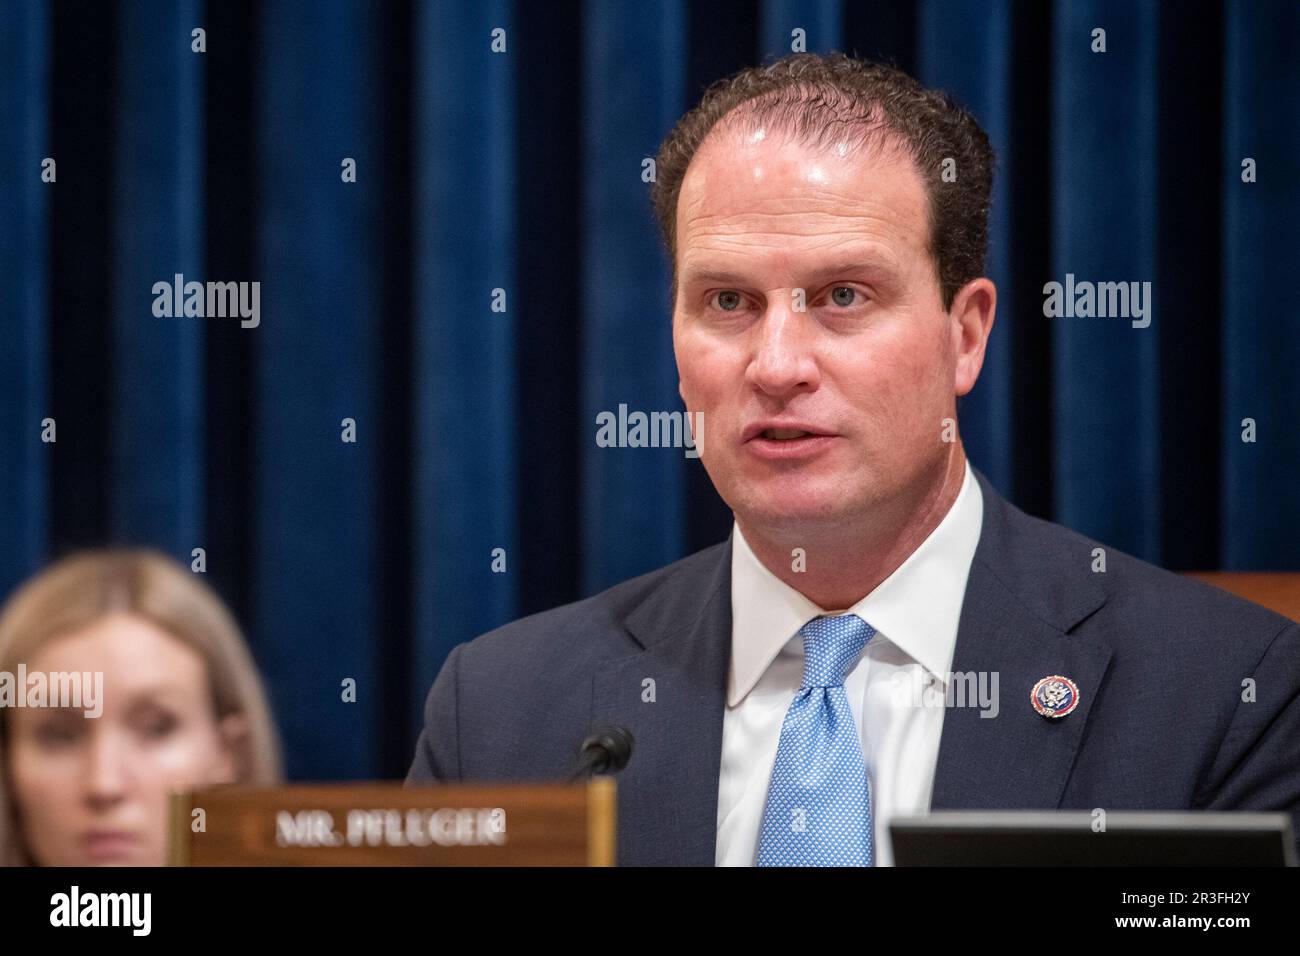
(606, 751)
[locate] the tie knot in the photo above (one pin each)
(830, 646)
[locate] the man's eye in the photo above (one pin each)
(843, 300)
(728, 301)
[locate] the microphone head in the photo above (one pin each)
(608, 749)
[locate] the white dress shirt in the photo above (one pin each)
(915, 612)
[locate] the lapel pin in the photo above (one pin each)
(1055, 696)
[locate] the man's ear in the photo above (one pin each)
(972, 314)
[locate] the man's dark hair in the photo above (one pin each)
(823, 100)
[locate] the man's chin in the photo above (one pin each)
(795, 514)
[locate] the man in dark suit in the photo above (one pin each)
(882, 633)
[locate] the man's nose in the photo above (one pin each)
(783, 359)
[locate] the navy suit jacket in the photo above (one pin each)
(1160, 660)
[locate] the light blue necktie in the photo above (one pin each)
(818, 809)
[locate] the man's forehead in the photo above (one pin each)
(797, 264)
(770, 189)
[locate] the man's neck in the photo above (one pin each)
(843, 564)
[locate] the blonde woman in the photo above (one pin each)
(179, 704)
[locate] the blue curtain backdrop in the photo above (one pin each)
(493, 280)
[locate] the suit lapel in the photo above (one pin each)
(671, 695)
(1023, 596)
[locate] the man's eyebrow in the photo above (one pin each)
(692, 276)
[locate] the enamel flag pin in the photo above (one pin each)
(1055, 696)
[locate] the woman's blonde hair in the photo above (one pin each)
(74, 592)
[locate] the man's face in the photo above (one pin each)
(869, 367)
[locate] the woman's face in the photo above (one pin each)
(94, 790)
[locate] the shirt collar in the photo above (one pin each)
(917, 608)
